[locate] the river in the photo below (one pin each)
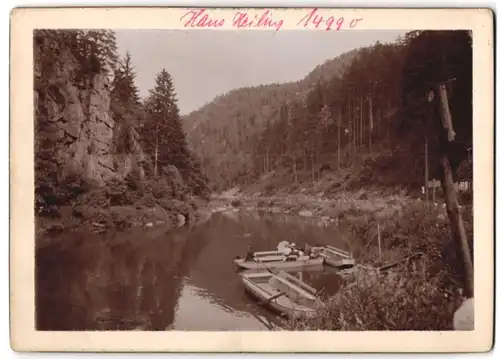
(153, 279)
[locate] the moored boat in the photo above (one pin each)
(283, 293)
(280, 261)
(268, 253)
(337, 258)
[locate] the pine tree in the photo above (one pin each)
(170, 147)
(163, 137)
(100, 44)
(124, 88)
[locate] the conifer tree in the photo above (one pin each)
(163, 136)
(124, 88)
(100, 44)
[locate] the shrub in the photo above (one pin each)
(406, 300)
(117, 193)
(123, 216)
(160, 188)
(236, 203)
(133, 181)
(423, 296)
(72, 186)
(148, 200)
(97, 198)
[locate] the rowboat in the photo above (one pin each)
(279, 261)
(283, 293)
(267, 253)
(337, 258)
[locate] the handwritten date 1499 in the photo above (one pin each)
(313, 19)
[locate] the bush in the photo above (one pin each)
(160, 188)
(236, 203)
(72, 186)
(96, 198)
(174, 206)
(148, 200)
(133, 181)
(117, 193)
(409, 298)
(405, 300)
(123, 217)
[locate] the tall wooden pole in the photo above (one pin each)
(379, 243)
(361, 121)
(452, 206)
(156, 150)
(354, 123)
(350, 123)
(370, 103)
(338, 137)
(426, 186)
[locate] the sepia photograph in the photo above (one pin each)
(319, 179)
(273, 180)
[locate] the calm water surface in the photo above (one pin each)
(148, 279)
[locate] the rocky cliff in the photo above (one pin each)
(75, 129)
(88, 157)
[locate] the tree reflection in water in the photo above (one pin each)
(134, 280)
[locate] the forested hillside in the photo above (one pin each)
(223, 133)
(362, 114)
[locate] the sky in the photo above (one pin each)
(207, 63)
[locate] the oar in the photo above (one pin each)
(320, 291)
(272, 298)
(269, 270)
(267, 267)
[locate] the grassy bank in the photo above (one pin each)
(419, 294)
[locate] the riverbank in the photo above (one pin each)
(325, 210)
(119, 206)
(427, 285)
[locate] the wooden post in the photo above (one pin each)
(312, 166)
(361, 121)
(350, 123)
(370, 108)
(294, 167)
(389, 120)
(156, 150)
(354, 124)
(338, 137)
(379, 243)
(452, 206)
(426, 174)
(379, 118)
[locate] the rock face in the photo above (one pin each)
(74, 125)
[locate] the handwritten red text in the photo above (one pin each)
(243, 19)
(199, 18)
(313, 19)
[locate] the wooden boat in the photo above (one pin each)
(283, 293)
(337, 258)
(279, 251)
(267, 253)
(279, 261)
